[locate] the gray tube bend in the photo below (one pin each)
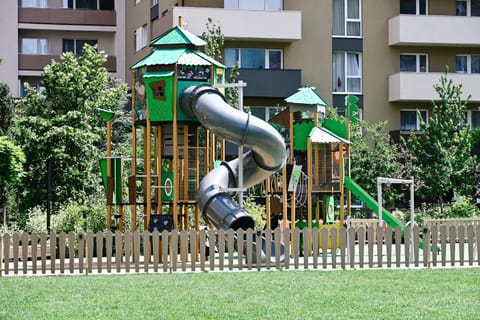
(267, 154)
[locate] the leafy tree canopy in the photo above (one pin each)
(60, 129)
(443, 151)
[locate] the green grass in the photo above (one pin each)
(353, 294)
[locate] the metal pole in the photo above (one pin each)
(379, 200)
(49, 191)
(240, 149)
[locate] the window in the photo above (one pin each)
(346, 18)
(418, 7)
(154, 2)
(411, 62)
(410, 120)
(76, 46)
(467, 63)
(34, 3)
(141, 37)
(254, 58)
(347, 72)
(467, 8)
(267, 5)
(89, 4)
(34, 46)
(265, 113)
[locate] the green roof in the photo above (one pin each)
(177, 36)
(160, 57)
(306, 95)
(166, 56)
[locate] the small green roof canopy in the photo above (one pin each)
(306, 98)
(177, 36)
(322, 135)
(164, 56)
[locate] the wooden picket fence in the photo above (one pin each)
(220, 250)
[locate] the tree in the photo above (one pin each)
(443, 151)
(60, 130)
(11, 163)
(373, 155)
(215, 42)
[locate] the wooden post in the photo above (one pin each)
(148, 170)
(309, 183)
(176, 187)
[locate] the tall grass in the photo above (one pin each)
(352, 294)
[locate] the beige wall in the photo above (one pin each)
(138, 15)
(441, 7)
(9, 46)
(312, 54)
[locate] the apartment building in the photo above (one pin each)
(389, 53)
(37, 31)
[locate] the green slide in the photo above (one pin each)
(372, 204)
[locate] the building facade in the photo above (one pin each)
(389, 53)
(37, 31)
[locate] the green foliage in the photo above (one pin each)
(214, 39)
(256, 211)
(443, 151)
(11, 162)
(60, 127)
(36, 220)
(374, 156)
(463, 207)
(7, 107)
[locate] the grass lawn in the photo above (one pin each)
(352, 294)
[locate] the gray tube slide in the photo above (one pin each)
(266, 155)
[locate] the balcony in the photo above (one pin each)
(412, 30)
(245, 25)
(270, 83)
(67, 16)
(38, 62)
(411, 86)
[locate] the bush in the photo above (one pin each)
(36, 220)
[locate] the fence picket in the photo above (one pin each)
(53, 252)
(434, 245)
(343, 248)
(334, 237)
(99, 251)
(81, 251)
(89, 252)
(184, 249)
(24, 240)
(202, 240)
(370, 245)
(34, 241)
(443, 244)
(452, 236)
(426, 247)
(71, 252)
(231, 247)
(388, 246)
(324, 234)
(221, 248)
(461, 244)
(136, 250)
(351, 245)
(118, 250)
(15, 244)
(193, 248)
(109, 250)
(277, 234)
(470, 238)
(61, 251)
(361, 246)
(147, 250)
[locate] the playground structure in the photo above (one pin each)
(301, 159)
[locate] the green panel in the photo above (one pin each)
(181, 85)
(167, 184)
(336, 126)
(116, 172)
(159, 88)
(330, 209)
(300, 134)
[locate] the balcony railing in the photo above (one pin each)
(38, 62)
(412, 30)
(283, 26)
(270, 83)
(67, 16)
(413, 86)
